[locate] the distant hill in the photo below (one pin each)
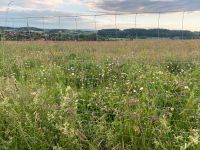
(147, 33)
(21, 29)
(33, 33)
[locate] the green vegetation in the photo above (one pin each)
(31, 33)
(100, 95)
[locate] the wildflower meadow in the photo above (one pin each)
(116, 95)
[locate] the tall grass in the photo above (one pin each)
(106, 95)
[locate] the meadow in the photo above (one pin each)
(130, 95)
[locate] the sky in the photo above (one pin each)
(17, 11)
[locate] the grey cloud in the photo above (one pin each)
(148, 5)
(19, 19)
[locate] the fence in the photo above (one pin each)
(94, 27)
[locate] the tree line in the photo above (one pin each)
(25, 33)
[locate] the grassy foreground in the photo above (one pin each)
(100, 95)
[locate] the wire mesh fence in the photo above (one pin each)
(103, 26)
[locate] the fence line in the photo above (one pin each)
(136, 26)
(105, 14)
(183, 17)
(79, 20)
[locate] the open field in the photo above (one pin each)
(141, 94)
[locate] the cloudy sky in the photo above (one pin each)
(18, 9)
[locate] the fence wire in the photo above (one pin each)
(83, 29)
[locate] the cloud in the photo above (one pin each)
(107, 5)
(146, 5)
(31, 4)
(42, 3)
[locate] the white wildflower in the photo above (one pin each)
(34, 93)
(186, 88)
(141, 89)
